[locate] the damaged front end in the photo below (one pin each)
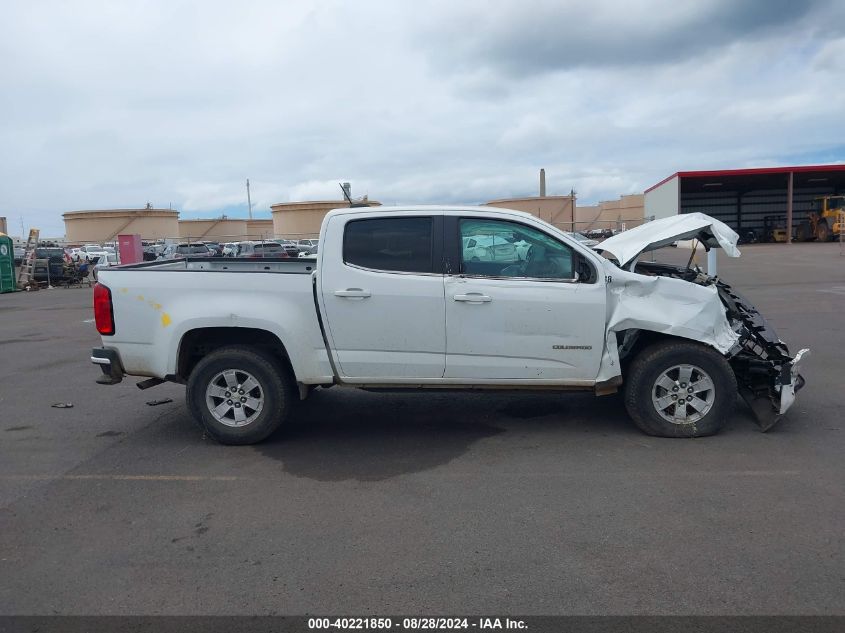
(767, 376)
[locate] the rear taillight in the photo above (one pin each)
(103, 312)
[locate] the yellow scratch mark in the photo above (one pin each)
(124, 290)
(154, 305)
(165, 319)
(140, 297)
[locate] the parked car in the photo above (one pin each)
(185, 249)
(19, 252)
(111, 259)
(229, 249)
(215, 248)
(306, 244)
(88, 252)
(482, 247)
(311, 251)
(290, 247)
(599, 234)
(393, 302)
(586, 241)
(153, 252)
(261, 249)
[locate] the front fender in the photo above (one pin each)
(666, 306)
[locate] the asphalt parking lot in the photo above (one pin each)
(420, 503)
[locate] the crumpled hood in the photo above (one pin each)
(659, 233)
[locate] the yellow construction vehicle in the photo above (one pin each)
(824, 220)
(774, 228)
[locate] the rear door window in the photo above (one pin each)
(390, 244)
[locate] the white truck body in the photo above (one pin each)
(455, 324)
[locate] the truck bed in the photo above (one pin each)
(156, 304)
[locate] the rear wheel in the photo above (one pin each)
(238, 395)
(679, 389)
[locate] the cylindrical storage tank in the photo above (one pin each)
(260, 229)
(221, 229)
(105, 225)
(302, 220)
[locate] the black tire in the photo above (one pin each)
(823, 233)
(276, 391)
(659, 359)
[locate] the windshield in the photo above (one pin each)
(49, 252)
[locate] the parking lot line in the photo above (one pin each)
(122, 477)
(107, 477)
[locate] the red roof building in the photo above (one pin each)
(748, 200)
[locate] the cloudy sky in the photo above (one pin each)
(114, 104)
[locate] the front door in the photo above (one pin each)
(520, 313)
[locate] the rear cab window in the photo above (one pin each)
(390, 244)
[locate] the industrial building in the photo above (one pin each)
(556, 210)
(757, 203)
(624, 213)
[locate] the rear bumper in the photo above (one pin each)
(109, 362)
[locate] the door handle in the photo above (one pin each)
(473, 297)
(352, 293)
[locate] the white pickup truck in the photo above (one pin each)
(393, 302)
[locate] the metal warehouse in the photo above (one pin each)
(757, 203)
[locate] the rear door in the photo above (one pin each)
(382, 296)
(514, 319)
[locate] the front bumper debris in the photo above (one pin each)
(109, 362)
(794, 381)
(767, 376)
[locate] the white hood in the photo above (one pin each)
(653, 235)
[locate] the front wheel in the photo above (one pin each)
(238, 395)
(679, 389)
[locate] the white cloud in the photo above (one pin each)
(178, 103)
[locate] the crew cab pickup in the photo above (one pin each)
(394, 299)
